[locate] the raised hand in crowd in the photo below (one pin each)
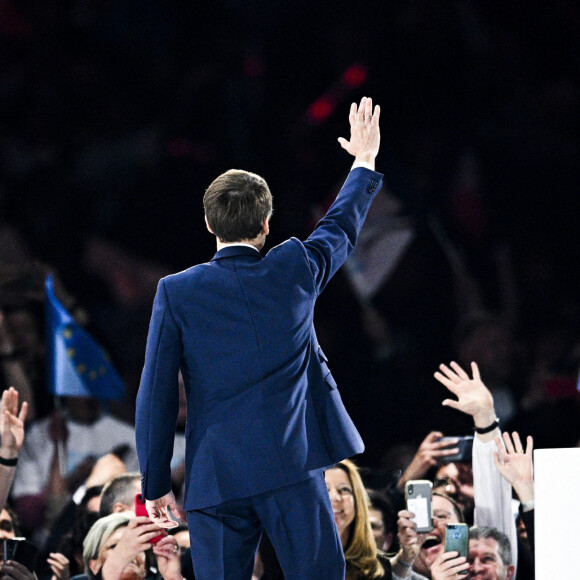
(473, 397)
(428, 454)
(11, 424)
(60, 566)
(516, 464)
(410, 544)
(12, 438)
(448, 565)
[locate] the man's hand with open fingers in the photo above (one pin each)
(157, 510)
(448, 565)
(516, 465)
(365, 136)
(473, 397)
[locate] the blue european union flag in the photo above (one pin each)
(77, 365)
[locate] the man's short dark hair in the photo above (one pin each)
(236, 205)
(120, 489)
(503, 542)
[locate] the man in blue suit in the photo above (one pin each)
(264, 416)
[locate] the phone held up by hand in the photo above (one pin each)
(141, 510)
(465, 446)
(418, 500)
(20, 550)
(457, 540)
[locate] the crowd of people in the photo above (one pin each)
(92, 528)
(112, 114)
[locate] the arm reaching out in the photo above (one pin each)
(473, 397)
(411, 543)
(491, 492)
(427, 455)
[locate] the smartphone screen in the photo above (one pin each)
(418, 500)
(457, 540)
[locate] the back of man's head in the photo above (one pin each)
(236, 205)
(118, 495)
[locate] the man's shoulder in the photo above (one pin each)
(289, 246)
(185, 276)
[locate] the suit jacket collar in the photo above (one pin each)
(234, 251)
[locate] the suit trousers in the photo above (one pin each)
(298, 519)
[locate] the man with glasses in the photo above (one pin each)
(490, 558)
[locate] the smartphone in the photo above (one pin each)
(457, 540)
(19, 550)
(418, 500)
(141, 510)
(465, 446)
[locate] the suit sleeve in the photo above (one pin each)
(336, 233)
(158, 399)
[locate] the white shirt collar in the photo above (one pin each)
(230, 244)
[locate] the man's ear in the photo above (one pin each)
(95, 566)
(207, 225)
(266, 226)
(510, 572)
(119, 508)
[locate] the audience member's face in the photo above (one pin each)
(342, 500)
(378, 528)
(6, 526)
(443, 514)
(485, 561)
(135, 570)
(460, 482)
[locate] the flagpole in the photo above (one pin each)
(61, 443)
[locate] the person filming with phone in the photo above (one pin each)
(115, 548)
(490, 558)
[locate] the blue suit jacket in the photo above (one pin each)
(263, 410)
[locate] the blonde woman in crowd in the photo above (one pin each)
(350, 505)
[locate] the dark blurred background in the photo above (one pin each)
(116, 115)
